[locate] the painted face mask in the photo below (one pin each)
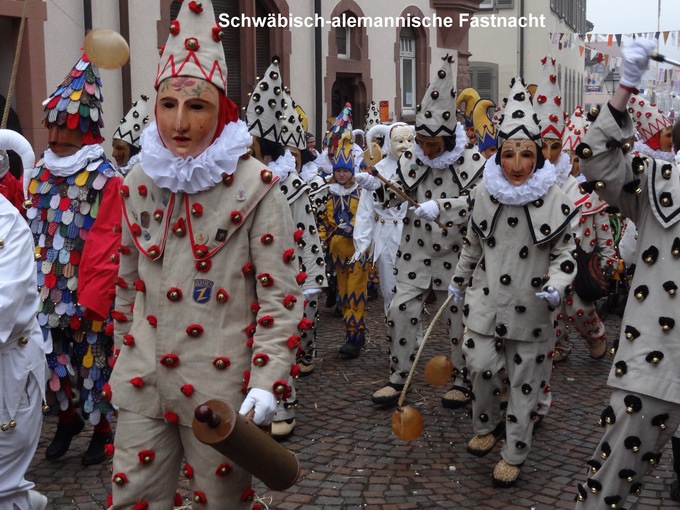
(518, 160)
(187, 110)
(401, 140)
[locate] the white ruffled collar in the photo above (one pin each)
(446, 158)
(66, 166)
(508, 194)
(562, 169)
(340, 190)
(125, 169)
(283, 165)
(191, 175)
(646, 150)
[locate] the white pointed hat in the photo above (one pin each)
(647, 118)
(292, 132)
(519, 120)
(436, 114)
(194, 46)
(372, 116)
(267, 103)
(548, 102)
(575, 130)
(133, 123)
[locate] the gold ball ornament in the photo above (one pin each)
(438, 370)
(407, 423)
(106, 48)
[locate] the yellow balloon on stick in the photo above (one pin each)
(106, 48)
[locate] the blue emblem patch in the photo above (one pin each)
(202, 290)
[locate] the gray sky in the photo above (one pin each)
(636, 16)
(622, 16)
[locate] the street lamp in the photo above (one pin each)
(611, 81)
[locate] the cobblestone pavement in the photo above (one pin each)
(350, 459)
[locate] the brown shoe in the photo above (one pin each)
(455, 398)
(505, 475)
(305, 368)
(481, 445)
(597, 347)
(388, 395)
(282, 429)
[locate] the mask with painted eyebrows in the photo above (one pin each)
(518, 160)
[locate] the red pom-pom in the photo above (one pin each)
(289, 255)
(293, 342)
(236, 217)
(248, 495)
(260, 360)
(195, 7)
(541, 99)
(199, 497)
(146, 456)
(298, 235)
(109, 500)
(191, 44)
(266, 321)
(174, 27)
(294, 370)
(142, 505)
(558, 100)
(178, 499)
(301, 277)
(139, 285)
(217, 34)
(248, 269)
(255, 307)
(135, 230)
(289, 301)
(197, 210)
(123, 249)
(305, 324)
(137, 382)
(153, 322)
(109, 449)
(224, 470)
(141, 189)
(250, 330)
(171, 417)
(187, 389)
(129, 340)
(188, 471)
(108, 330)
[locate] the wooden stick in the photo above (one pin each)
(420, 349)
(15, 68)
(399, 192)
(661, 58)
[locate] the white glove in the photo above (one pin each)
(359, 256)
(264, 403)
(636, 61)
(310, 294)
(551, 295)
(428, 210)
(457, 293)
(367, 181)
(345, 227)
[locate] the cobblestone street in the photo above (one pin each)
(350, 459)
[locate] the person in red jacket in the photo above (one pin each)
(10, 186)
(75, 217)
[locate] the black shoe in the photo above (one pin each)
(95, 452)
(331, 299)
(350, 350)
(62, 438)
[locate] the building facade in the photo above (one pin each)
(382, 55)
(502, 52)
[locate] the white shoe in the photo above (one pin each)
(38, 501)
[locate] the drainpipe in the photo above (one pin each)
(125, 74)
(87, 15)
(521, 40)
(318, 81)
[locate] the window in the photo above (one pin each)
(504, 4)
(484, 78)
(407, 57)
(342, 41)
(486, 4)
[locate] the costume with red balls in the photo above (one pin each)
(208, 264)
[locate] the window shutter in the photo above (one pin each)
(484, 81)
(504, 4)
